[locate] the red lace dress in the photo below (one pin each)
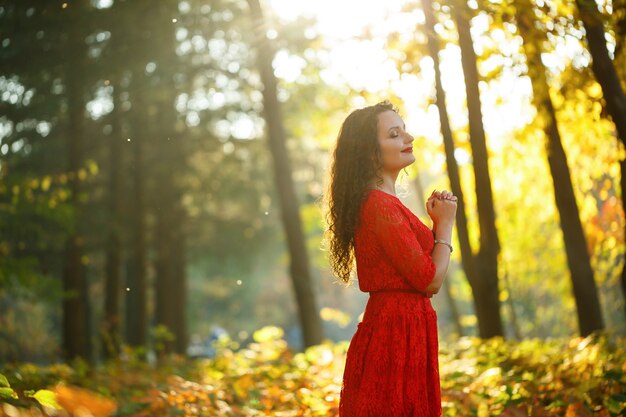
(392, 367)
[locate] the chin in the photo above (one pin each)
(412, 159)
(405, 165)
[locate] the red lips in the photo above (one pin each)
(407, 150)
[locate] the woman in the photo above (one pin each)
(391, 367)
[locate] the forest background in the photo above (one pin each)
(162, 166)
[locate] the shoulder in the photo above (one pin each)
(381, 204)
(375, 197)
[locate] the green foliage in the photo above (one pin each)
(34, 218)
(162, 336)
(42, 396)
(6, 392)
(557, 377)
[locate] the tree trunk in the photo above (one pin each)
(180, 284)
(606, 75)
(111, 325)
(619, 10)
(136, 281)
(75, 320)
(485, 285)
(169, 167)
(454, 311)
(165, 279)
(170, 271)
(622, 166)
(137, 286)
(509, 301)
(299, 262)
(467, 257)
(578, 260)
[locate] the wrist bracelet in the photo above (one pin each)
(445, 243)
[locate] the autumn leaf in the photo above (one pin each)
(47, 398)
(76, 400)
(577, 410)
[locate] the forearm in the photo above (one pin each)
(440, 256)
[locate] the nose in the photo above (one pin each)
(408, 137)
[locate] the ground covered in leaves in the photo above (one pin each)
(576, 377)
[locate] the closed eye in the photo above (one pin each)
(394, 131)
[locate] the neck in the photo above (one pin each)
(389, 182)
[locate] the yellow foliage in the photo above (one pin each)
(337, 316)
(45, 183)
(92, 167)
(478, 377)
(268, 334)
(469, 320)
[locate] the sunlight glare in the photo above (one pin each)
(356, 56)
(337, 19)
(288, 67)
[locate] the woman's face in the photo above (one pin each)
(396, 145)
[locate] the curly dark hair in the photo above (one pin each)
(355, 163)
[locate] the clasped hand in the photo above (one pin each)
(441, 207)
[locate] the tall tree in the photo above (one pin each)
(485, 286)
(622, 165)
(75, 324)
(579, 262)
(619, 13)
(112, 322)
(136, 274)
(128, 53)
(467, 257)
(607, 76)
(299, 261)
(169, 161)
(179, 271)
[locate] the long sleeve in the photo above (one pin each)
(393, 232)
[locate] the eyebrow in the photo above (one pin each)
(396, 127)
